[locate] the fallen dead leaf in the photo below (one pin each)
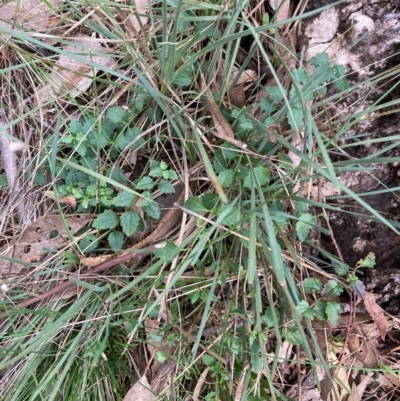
(283, 7)
(17, 146)
(340, 382)
(377, 314)
(363, 343)
(140, 391)
(139, 18)
(311, 395)
(339, 385)
(298, 142)
(353, 343)
(237, 96)
(45, 232)
(383, 380)
(319, 189)
(218, 188)
(164, 378)
(95, 260)
(284, 352)
(10, 163)
(392, 379)
(224, 129)
(72, 76)
(247, 76)
(200, 383)
(309, 390)
(359, 390)
(354, 393)
(68, 200)
(326, 387)
(32, 14)
(366, 354)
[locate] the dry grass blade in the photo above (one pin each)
(85, 275)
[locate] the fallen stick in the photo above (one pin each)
(88, 273)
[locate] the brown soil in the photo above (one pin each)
(364, 36)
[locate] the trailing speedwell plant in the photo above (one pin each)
(87, 143)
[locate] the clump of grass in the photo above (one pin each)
(241, 268)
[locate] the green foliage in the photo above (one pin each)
(130, 222)
(305, 87)
(145, 183)
(311, 285)
(115, 240)
(320, 310)
(217, 369)
(261, 175)
(89, 143)
(369, 261)
(266, 19)
(341, 269)
(124, 199)
(165, 187)
(333, 289)
(183, 77)
(225, 178)
(304, 225)
(326, 308)
(89, 243)
(333, 312)
(165, 96)
(3, 181)
(292, 335)
(106, 220)
(356, 286)
(204, 203)
(247, 176)
(149, 206)
(304, 308)
(268, 317)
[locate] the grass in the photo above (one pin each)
(243, 251)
